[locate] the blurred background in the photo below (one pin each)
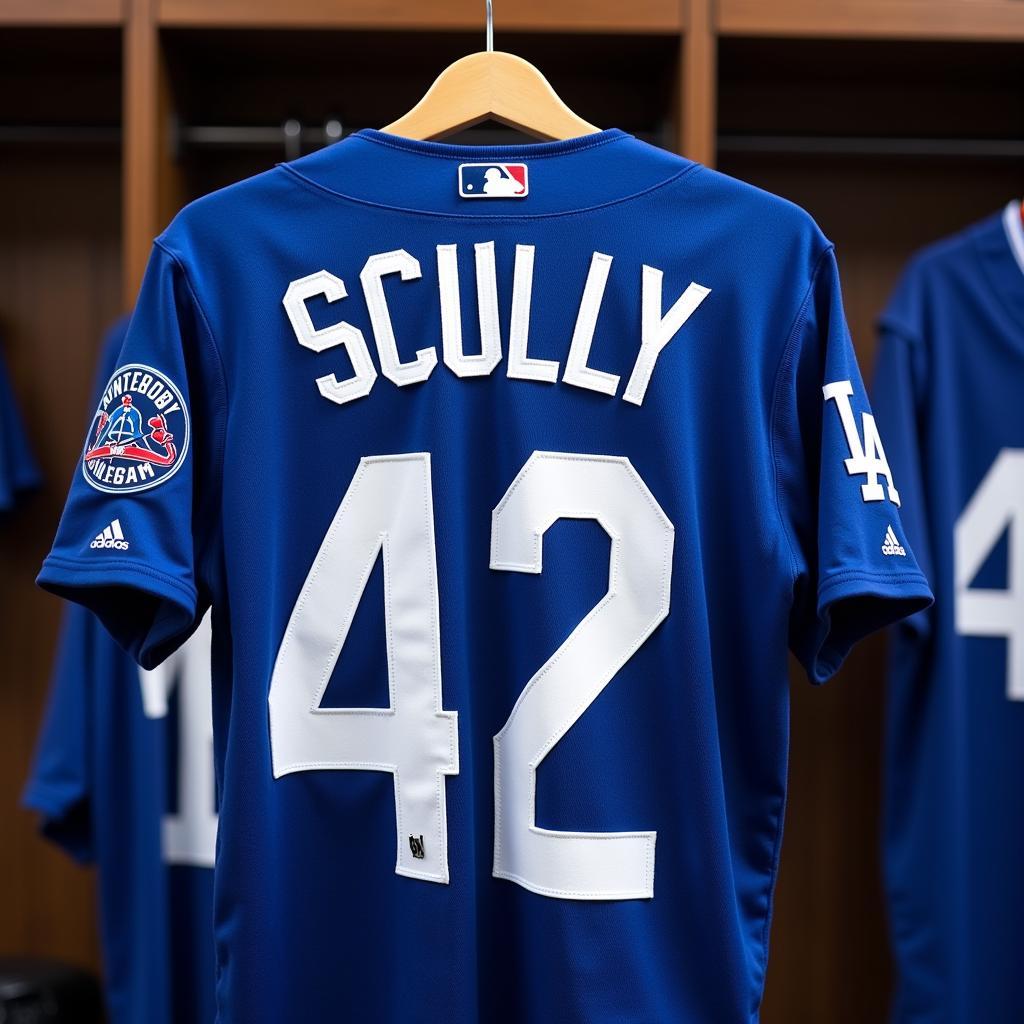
(893, 122)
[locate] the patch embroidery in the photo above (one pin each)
(492, 181)
(140, 433)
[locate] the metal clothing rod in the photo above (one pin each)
(59, 134)
(292, 136)
(840, 145)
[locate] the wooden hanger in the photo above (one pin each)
(490, 85)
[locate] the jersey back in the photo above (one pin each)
(508, 503)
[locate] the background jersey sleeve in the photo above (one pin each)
(140, 528)
(853, 568)
(18, 469)
(60, 782)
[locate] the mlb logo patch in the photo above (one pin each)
(490, 181)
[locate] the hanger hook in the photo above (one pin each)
(490, 27)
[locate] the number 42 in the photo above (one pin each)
(389, 508)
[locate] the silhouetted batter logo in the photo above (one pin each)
(489, 181)
(140, 433)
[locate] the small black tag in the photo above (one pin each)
(416, 845)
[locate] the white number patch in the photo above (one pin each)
(389, 506)
(552, 486)
(997, 505)
(190, 835)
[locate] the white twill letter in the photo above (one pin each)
(577, 372)
(520, 365)
(332, 288)
(657, 331)
(396, 262)
(868, 459)
(997, 506)
(451, 311)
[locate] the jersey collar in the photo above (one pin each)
(422, 176)
(1014, 227)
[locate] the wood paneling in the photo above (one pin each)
(141, 195)
(61, 13)
(533, 15)
(874, 19)
(59, 288)
(699, 74)
(845, 68)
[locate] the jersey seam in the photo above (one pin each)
(316, 186)
(513, 150)
(220, 439)
(90, 567)
(1004, 300)
(785, 361)
(899, 331)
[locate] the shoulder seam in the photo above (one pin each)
(220, 440)
(898, 331)
(785, 360)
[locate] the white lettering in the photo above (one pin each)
(657, 331)
(371, 276)
(333, 289)
(868, 459)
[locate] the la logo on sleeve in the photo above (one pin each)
(867, 458)
(140, 433)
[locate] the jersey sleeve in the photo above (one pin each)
(19, 471)
(139, 532)
(60, 783)
(853, 569)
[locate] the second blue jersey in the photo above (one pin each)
(947, 390)
(123, 778)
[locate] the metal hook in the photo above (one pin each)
(490, 27)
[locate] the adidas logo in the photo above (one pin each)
(111, 537)
(891, 546)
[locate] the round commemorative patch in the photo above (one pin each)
(139, 436)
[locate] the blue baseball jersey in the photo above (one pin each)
(123, 778)
(18, 469)
(947, 392)
(507, 509)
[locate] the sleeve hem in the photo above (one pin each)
(54, 810)
(148, 612)
(842, 577)
(109, 571)
(892, 596)
(44, 799)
